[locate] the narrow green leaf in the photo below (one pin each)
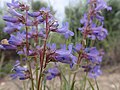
(91, 84)
(66, 84)
(97, 84)
(72, 86)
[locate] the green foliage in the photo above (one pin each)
(37, 5)
(2, 24)
(6, 68)
(112, 23)
(73, 16)
(112, 19)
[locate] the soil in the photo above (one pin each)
(109, 80)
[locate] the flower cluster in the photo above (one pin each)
(93, 31)
(90, 29)
(52, 73)
(25, 26)
(21, 72)
(28, 28)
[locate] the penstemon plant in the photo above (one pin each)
(39, 60)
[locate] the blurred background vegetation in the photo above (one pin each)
(111, 45)
(73, 14)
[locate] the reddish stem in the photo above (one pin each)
(43, 53)
(27, 50)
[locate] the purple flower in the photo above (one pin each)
(52, 46)
(45, 10)
(54, 25)
(61, 55)
(19, 75)
(33, 33)
(40, 19)
(10, 28)
(68, 34)
(29, 22)
(34, 14)
(101, 4)
(94, 32)
(93, 55)
(66, 56)
(65, 30)
(24, 52)
(78, 47)
(98, 32)
(14, 13)
(2, 47)
(13, 4)
(19, 71)
(100, 18)
(84, 19)
(18, 39)
(8, 47)
(41, 34)
(64, 51)
(52, 73)
(95, 72)
(11, 19)
(90, 29)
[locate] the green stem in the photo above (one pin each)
(31, 75)
(24, 85)
(36, 71)
(91, 84)
(2, 60)
(73, 81)
(44, 84)
(97, 84)
(85, 79)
